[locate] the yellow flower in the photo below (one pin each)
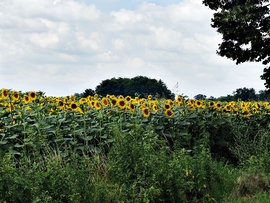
(169, 113)
(167, 106)
(218, 105)
(15, 95)
(32, 95)
(227, 108)
(120, 97)
(83, 101)
(121, 103)
(155, 108)
(74, 106)
(146, 112)
(26, 99)
(128, 98)
(179, 99)
(198, 103)
(5, 93)
(113, 102)
(246, 112)
(105, 102)
(97, 105)
(211, 104)
(132, 107)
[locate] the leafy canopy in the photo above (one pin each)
(244, 26)
(139, 85)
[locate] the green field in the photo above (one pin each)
(125, 149)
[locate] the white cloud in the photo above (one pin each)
(67, 46)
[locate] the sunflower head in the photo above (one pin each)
(169, 113)
(227, 108)
(97, 105)
(167, 106)
(105, 102)
(61, 104)
(179, 99)
(73, 106)
(32, 95)
(121, 103)
(146, 112)
(155, 108)
(128, 98)
(218, 105)
(198, 103)
(5, 93)
(15, 95)
(113, 102)
(132, 107)
(26, 99)
(83, 101)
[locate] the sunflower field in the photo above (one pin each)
(115, 144)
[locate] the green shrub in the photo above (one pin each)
(147, 171)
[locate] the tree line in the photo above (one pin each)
(138, 86)
(243, 94)
(143, 86)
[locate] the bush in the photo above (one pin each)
(147, 171)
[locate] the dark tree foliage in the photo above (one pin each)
(245, 94)
(244, 26)
(88, 92)
(200, 96)
(139, 85)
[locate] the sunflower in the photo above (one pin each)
(113, 102)
(246, 112)
(190, 102)
(121, 103)
(146, 112)
(179, 99)
(211, 104)
(227, 108)
(74, 106)
(167, 106)
(218, 105)
(105, 102)
(89, 98)
(15, 95)
(26, 99)
(65, 100)
(61, 104)
(83, 101)
(132, 107)
(149, 97)
(198, 103)
(137, 100)
(92, 103)
(5, 93)
(128, 98)
(97, 105)
(73, 98)
(32, 95)
(155, 108)
(120, 97)
(169, 113)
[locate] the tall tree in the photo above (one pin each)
(245, 94)
(244, 26)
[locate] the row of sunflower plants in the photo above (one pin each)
(33, 122)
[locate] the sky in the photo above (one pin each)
(62, 47)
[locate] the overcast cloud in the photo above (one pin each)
(63, 47)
